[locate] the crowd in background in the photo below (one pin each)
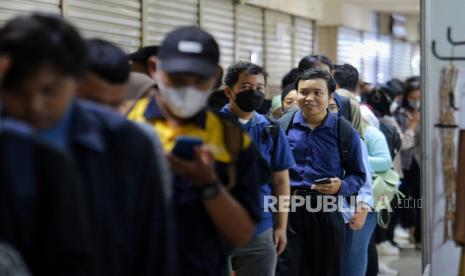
(160, 162)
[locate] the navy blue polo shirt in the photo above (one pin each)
(277, 153)
(121, 180)
(317, 154)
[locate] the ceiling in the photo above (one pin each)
(407, 7)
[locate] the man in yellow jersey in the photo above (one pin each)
(216, 187)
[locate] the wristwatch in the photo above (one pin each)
(210, 190)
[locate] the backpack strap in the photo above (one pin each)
(233, 140)
(286, 120)
(345, 140)
(346, 109)
(273, 128)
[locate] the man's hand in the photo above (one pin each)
(280, 240)
(200, 171)
(358, 220)
(328, 189)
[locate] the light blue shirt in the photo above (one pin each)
(365, 194)
(379, 156)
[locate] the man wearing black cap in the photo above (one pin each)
(143, 60)
(216, 187)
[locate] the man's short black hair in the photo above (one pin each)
(234, 71)
(317, 73)
(289, 78)
(312, 61)
(36, 40)
(346, 76)
(108, 61)
(143, 54)
(286, 90)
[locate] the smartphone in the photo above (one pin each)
(325, 180)
(184, 147)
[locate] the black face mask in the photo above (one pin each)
(249, 100)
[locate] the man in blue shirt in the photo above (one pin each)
(316, 238)
(126, 205)
(246, 87)
(42, 208)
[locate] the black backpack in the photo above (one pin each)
(345, 135)
(346, 109)
(392, 137)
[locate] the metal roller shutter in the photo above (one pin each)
(349, 47)
(165, 15)
(369, 53)
(278, 51)
(249, 29)
(384, 59)
(303, 38)
(401, 60)
(10, 9)
(217, 17)
(118, 21)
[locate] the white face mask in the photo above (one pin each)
(415, 105)
(183, 102)
(394, 106)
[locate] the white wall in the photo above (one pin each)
(354, 16)
(412, 25)
(312, 9)
(439, 15)
(331, 13)
(358, 17)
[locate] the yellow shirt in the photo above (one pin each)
(209, 130)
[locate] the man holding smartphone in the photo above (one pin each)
(215, 191)
(322, 170)
(246, 88)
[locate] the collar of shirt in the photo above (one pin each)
(13, 125)
(256, 118)
(329, 122)
(59, 134)
(153, 112)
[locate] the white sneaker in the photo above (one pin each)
(384, 270)
(401, 233)
(405, 244)
(387, 249)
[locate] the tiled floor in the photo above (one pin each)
(408, 263)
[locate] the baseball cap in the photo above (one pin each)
(189, 50)
(143, 53)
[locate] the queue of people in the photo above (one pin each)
(162, 163)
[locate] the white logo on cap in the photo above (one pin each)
(190, 47)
